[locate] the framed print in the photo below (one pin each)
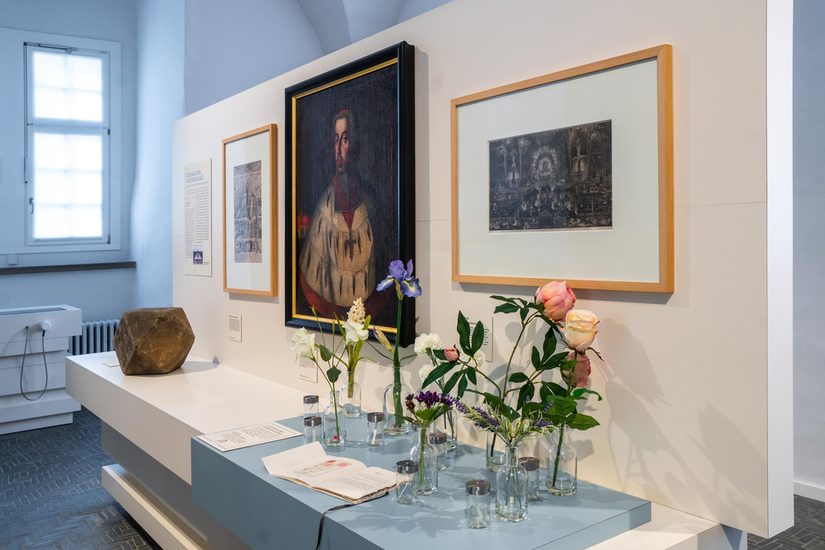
(350, 190)
(567, 176)
(250, 212)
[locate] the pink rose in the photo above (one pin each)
(451, 354)
(580, 328)
(557, 298)
(582, 369)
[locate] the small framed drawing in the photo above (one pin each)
(250, 212)
(349, 191)
(567, 176)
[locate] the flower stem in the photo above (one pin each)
(335, 408)
(350, 383)
(558, 456)
(422, 476)
(396, 371)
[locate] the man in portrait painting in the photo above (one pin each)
(337, 262)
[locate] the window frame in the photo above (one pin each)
(116, 214)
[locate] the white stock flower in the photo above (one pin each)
(304, 344)
(355, 332)
(357, 314)
(426, 342)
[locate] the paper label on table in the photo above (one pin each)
(238, 438)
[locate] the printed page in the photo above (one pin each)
(359, 485)
(310, 465)
(238, 438)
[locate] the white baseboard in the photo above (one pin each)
(809, 490)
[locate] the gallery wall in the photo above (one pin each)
(809, 255)
(686, 418)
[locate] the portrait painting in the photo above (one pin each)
(555, 179)
(350, 189)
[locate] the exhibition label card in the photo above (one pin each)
(238, 438)
(197, 203)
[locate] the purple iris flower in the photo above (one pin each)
(403, 275)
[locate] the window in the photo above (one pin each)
(68, 158)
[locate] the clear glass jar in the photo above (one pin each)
(335, 422)
(531, 466)
(439, 441)
(446, 423)
(426, 455)
(313, 430)
(311, 407)
(375, 429)
(351, 398)
(562, 464)
(511, 488)
(477, 510)
(496, 452)
(406, 470)
(393, 426)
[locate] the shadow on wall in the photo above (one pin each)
(653, 446)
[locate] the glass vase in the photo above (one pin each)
(351, 397)
(496, 452)
(446, 423)
(562, 465)
(335, 429)
(396, 425)
(511, 488)
(426, 455)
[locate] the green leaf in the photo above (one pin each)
(535, 358)
(326, 355)
(439, 354)
(564, 406)
(471, 375)
(437, 373)
(554, 361)
(333, 373)
(463, 328)
(452, 382)
(531, 408)
(556, 389)
(462, 386)
(518, 378)
(549, 343)
(582, 422)
(523, 312)
(580, 393)
(525, 394)
(506, 308)
(478, 337)
(496, 403)
(502, 298)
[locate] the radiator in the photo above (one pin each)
(95, 337)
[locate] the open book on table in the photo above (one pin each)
(337, 476)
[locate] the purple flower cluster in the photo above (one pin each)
(486, 420)
(429, 399)
(540, 424)
(460, 406)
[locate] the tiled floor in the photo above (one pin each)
(50, 493)
(50, 497)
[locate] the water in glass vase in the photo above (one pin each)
(394, 401)
(335, 428)
(426, 455)
(511, 488)
(562, 464)
(351, 398)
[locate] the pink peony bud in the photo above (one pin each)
(451, 354)
(582, 369)
(557, 298)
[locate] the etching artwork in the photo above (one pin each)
(247, 216)
(555, 179)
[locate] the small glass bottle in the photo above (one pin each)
(312, 429)
(335, 422)
(426, 455)
(531, 464)
(311, 406)
(396, 426)
(511, 488)
(477, 511)
(375, 429)
(439, 441)
(351, 398)
(406, 471)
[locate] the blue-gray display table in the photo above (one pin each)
(268, 512)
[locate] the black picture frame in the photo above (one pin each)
(353, 202)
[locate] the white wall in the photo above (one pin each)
(160, 103)
(231, 46)
(809, 254)
(685, 422)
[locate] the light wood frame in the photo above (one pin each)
(663, 55)
(272, 210)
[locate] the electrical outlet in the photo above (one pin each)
(235, 328)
